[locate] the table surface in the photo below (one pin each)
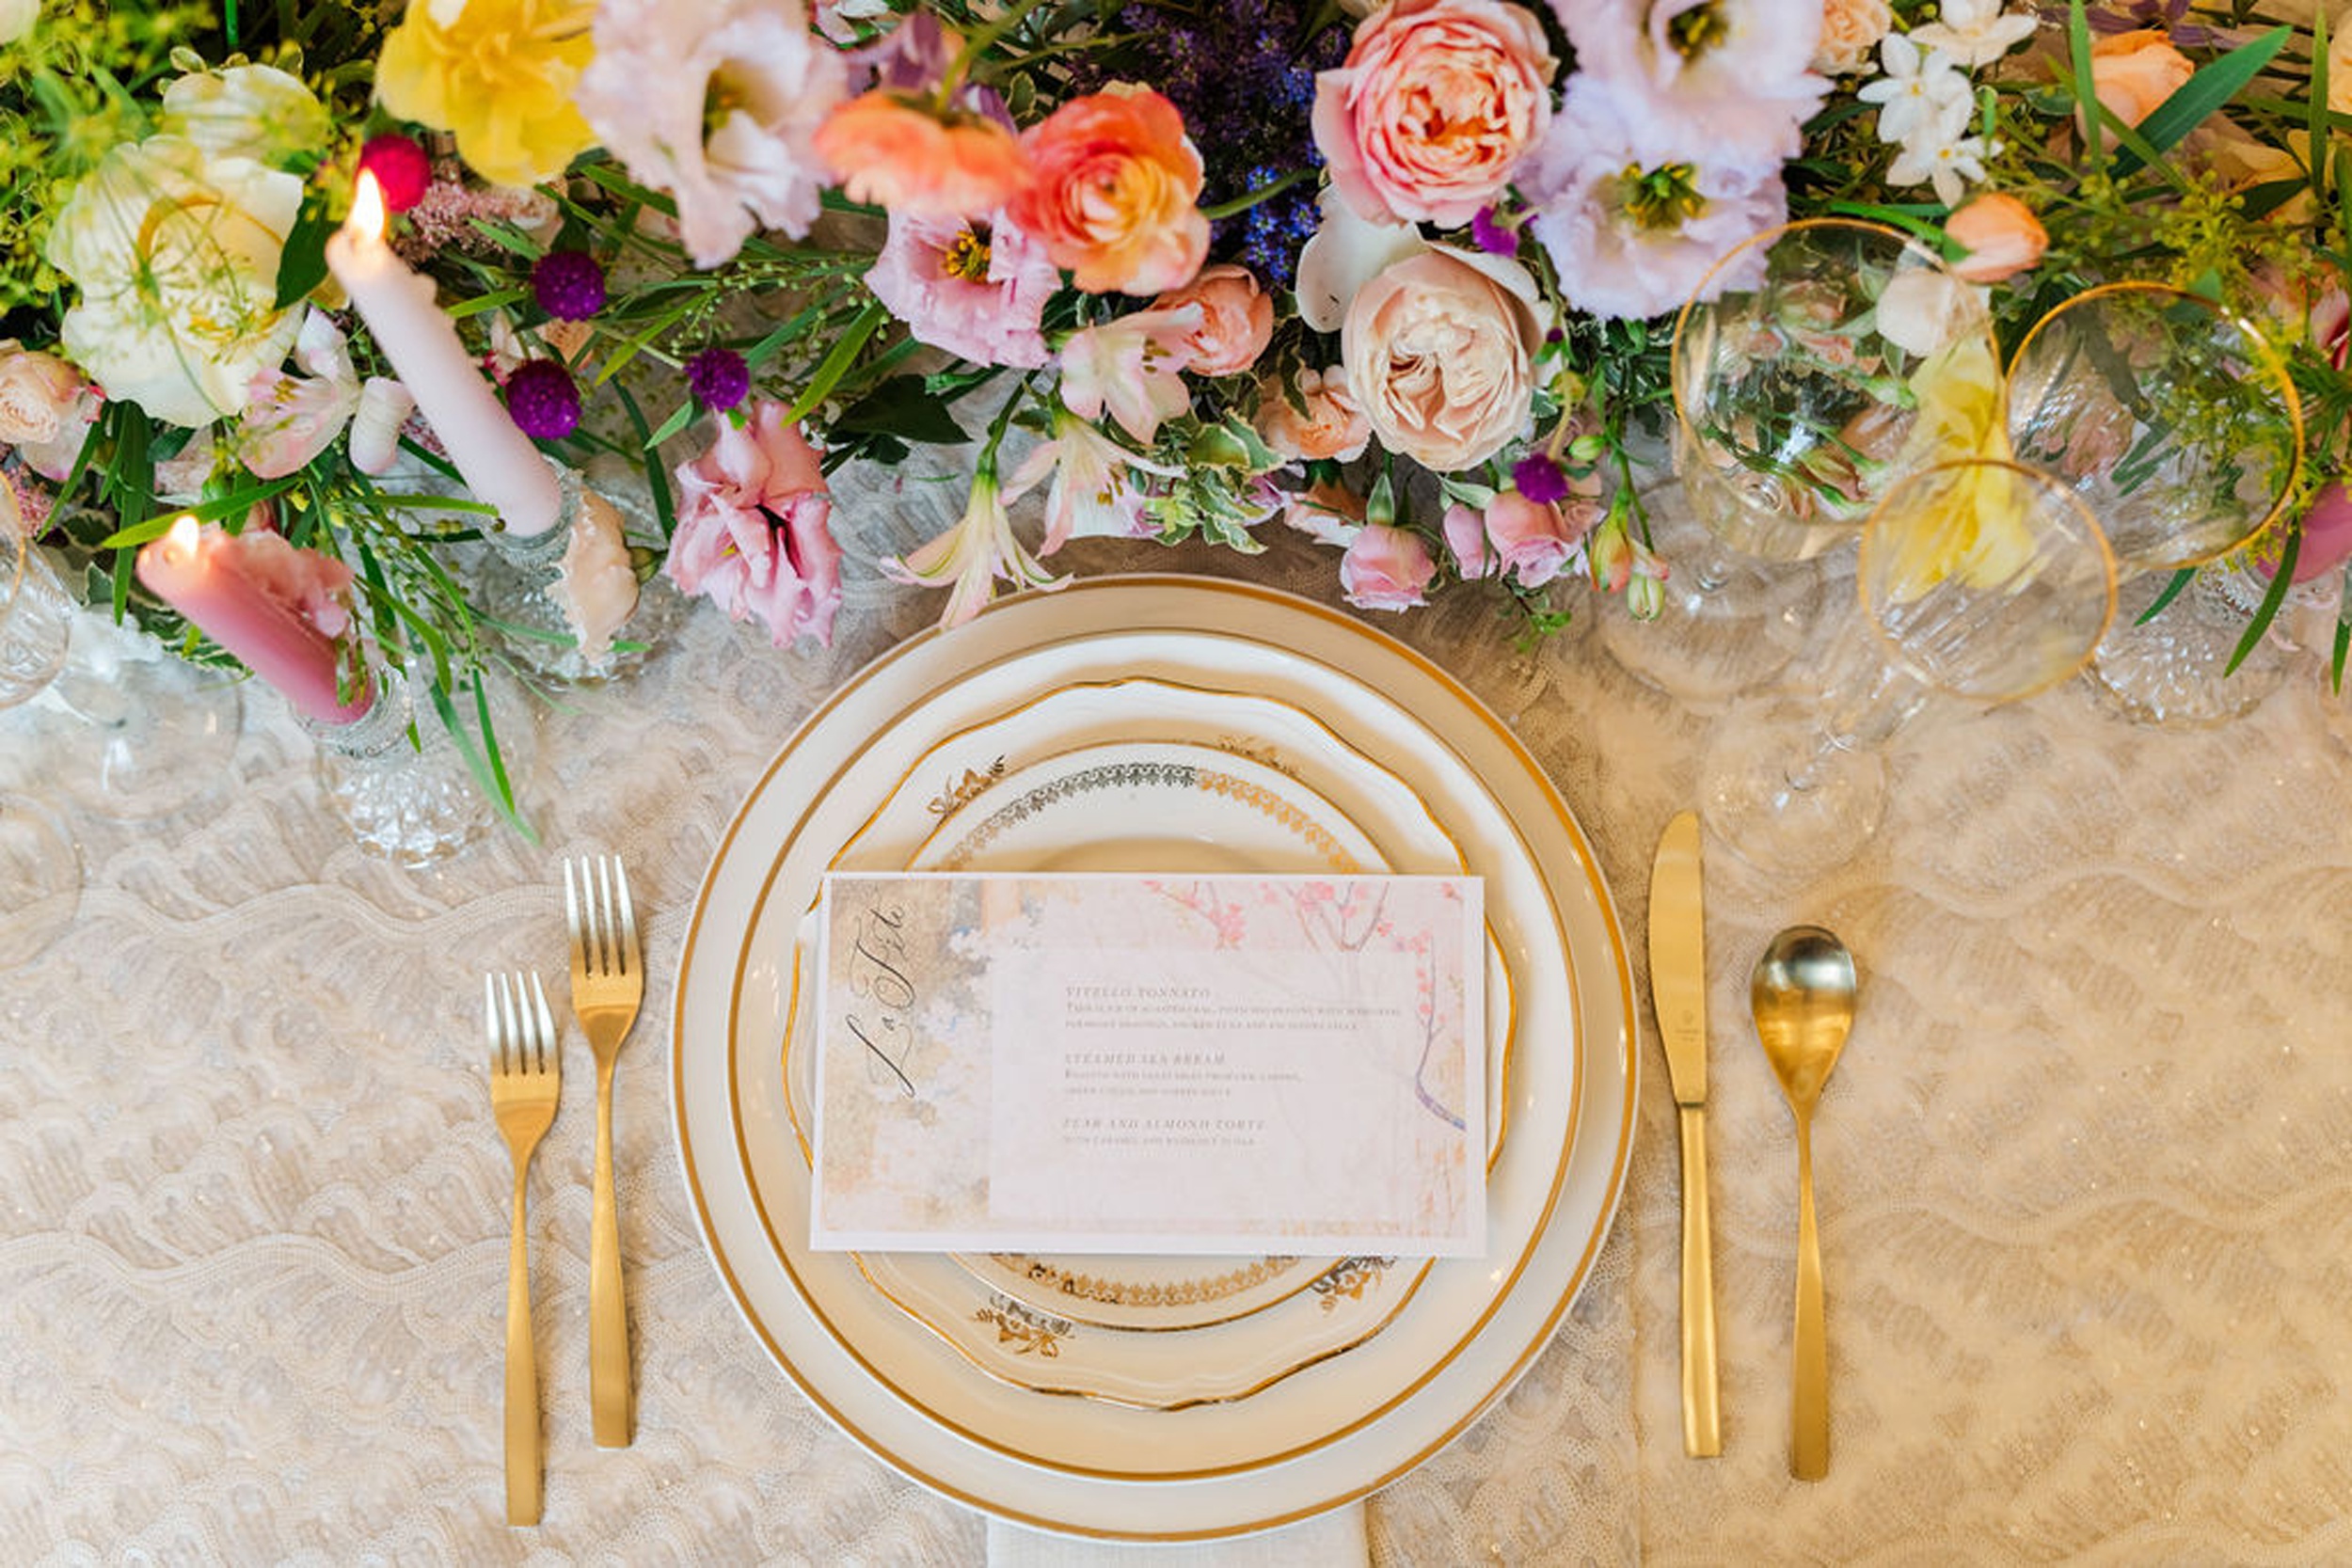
(2085, 1172)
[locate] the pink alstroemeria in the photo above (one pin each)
(975, 289)
(1131, 367)
(1094, 493)
(969, 557)
(289, 419)
(754, 529)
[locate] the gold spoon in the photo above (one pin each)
(1802, 996)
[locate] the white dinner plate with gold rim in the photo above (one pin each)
(1191, 629)
(1301, 1413)
(980, 766)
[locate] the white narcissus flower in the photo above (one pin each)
(175, 252)
(251, 111)
(1975, 32)
(1951, 164)
(1922, 90)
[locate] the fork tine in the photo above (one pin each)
(490, 1023)
(511, 1056)
(630, 959)
(571, 917)
(549, 1058)
(609, 952)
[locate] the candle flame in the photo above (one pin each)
(181, 541)
(366, 222)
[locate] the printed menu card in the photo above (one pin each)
(1167, 1064)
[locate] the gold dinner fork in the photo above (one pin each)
(608, 983)
(526, 1080)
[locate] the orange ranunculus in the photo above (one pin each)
(1117, 193)
(2133, 73)
(895, 151)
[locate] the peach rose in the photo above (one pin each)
(2133, 73)
(1117, 192)
(2003, 237)
(1237, 319)
(1436, 105)
(1850, 31)
(1332, 425)
(896, 152)
(39, 394)
(1436, 349)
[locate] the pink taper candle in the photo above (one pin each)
(496, 461)
(236, 590)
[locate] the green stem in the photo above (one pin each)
(977, 46)
(1263, 193)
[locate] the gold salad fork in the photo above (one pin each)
(526, 1080)
(608, 983)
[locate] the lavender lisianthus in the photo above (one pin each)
(1633, 212)
(1733, 74)
(715, 103)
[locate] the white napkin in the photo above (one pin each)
(1339, 1539)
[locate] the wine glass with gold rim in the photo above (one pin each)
(2177, 422)
(1816, 364)
(1980, 582)
(41, 871)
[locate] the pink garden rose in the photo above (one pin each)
(977, 289)
(46, 408)
(1237, 319)
(1530, 541)
(1386, 568)
(1437, 102)
(1438, 353)
(753, 530)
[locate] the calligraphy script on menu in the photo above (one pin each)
(1153, 1064)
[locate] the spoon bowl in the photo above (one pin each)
(1803, 996)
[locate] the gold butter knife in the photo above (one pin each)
(1678, 984)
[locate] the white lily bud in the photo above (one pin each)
(383, 407)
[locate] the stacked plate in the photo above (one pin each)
(1164, 724)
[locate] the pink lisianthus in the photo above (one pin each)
(715, 103)
(289, 419)
(977, 289)
(1237, 319)
(1131, 367)
(754, 529)
(2327, 535)
(1436, 103)
(1738, 84)
(1386, 568)
(1094, 493)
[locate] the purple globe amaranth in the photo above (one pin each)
(1539, 479)
(569, 285)
(719, 379)
(542, 400)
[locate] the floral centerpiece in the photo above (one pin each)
(1401, 278)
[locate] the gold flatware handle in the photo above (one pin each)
(1702, 1417)
(523, 1377)
(609, 1389)
(1809, 1405)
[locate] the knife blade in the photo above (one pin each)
(1677, 983)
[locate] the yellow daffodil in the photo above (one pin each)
(498, 73)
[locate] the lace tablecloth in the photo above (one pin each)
(2086, 1171)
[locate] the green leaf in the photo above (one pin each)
(2086, 95)
(656, 477)
(2213, 85)
(1913, 219)
(2181, 579)
(302, 264)
(903, 406)
(836, 364)
(679, 419)
(2280, 580)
